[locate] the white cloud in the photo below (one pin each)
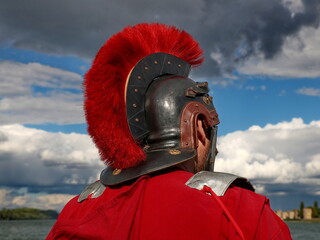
(60, 108)
(300, 57)
(309, 91)
(284, 153)
(253, 88)
(32, 157)
(314, 165)
(17, 78)
(59, 99)
(49, 162)
(12, 198)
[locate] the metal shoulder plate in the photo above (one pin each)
(219, 182)
(93, 190)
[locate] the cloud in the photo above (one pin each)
(15, 198)
(283, 153)
(253, 88)
(42, 169)
(295, 6)
(237, 30)
(79, 27)
(300, 57)
(57, 108)
(309, 92)
(18, 78)
(44, 160)
(229, 31)
(35, 93)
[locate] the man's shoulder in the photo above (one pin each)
(219, 182)
(194, 190)
(169, 196)
(178, 182)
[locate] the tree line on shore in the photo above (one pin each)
(33, 213)
(27, 213)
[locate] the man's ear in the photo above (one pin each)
(201, 132)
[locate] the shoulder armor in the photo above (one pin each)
(219, 182)
(94, 189)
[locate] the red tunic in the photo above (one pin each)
(163, 207)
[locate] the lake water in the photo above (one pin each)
(38, 230)
(304, 231)
(25, 229)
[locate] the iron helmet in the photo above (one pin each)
(140, 105)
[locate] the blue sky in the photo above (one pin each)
(265, 82)
(263, 99)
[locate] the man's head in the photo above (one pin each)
(141, 107)
(180, 115)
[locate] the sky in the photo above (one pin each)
(262, 62)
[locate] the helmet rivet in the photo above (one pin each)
(169, 62)
(139, 77)
(196, 105)
(179, 66)
(116, 171)
(137, 120)
(185, 120)
(136, 90)
(146, 68)
(187, 144)
(174, 151)
(206, 100)
(134, 105)
(155, 62)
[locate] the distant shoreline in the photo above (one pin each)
(314, 220)
(27, 214)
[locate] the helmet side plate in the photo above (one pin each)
(142, 75)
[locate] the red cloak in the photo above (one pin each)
(163, 207)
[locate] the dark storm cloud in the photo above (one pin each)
(79, 27)
(236, 29)
(232, 30)
(289, 196)
(58, 188)
(288, 188)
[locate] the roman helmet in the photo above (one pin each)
(140, 105)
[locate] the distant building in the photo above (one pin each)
(293, 214)
(279, 213)
(285, 215)
(307, 213)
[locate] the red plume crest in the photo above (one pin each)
(105, 85)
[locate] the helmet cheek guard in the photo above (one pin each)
(188, 123)
(163, 106)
